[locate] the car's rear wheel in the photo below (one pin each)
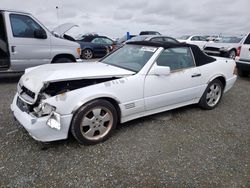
(212, 95)
(87, 54)
(94, 122)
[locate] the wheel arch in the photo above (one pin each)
(70, 56)
(220, 77)
(115, 102)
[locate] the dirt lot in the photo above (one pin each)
(187, 147)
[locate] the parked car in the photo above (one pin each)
(154, 38)
(149, 33)
(95, 46)
(198, 40)
(243, 57)
(225, 47)
(25, 42)
(214, 38)
(123, 39)
(139, 79)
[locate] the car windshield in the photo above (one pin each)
(230, 40)
(185, 37)
(130, 57)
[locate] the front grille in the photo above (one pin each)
(211, 49)
(24, 107)
(28, 92)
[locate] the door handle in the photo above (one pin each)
(13, 49)
(196, 75)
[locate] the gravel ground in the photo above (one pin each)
(187, 147)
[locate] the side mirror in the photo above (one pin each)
(40, 34)
(160, 71)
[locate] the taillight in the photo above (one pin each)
(238, 51)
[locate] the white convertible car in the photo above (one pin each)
(139, 79)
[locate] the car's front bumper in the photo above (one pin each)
(38, 128)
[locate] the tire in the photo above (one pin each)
(63, 60)
(87, 54)
(94, 122)
(212, 95)
(242, 73)
(232, 54)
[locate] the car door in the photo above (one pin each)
(245, 50)
(99, 48)
(181, 86)
(26, 49)
(4, 51)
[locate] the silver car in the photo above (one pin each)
(225, 47)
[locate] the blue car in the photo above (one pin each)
(95, 46)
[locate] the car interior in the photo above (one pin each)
(176, 58)
(4, 53)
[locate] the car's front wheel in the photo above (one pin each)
(94, 122)
(87, 54)
(212, 95)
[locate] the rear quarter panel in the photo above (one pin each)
(222, 67)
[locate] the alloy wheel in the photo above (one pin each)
(88, 54)
(96, 123)
(213, 94)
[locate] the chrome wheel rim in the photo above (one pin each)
(232, 54)
(96, 123)
(213, 94)
(88, 54)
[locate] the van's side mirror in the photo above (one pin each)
(160, 71)
(40, 34)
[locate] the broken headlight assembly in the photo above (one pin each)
(44, 109)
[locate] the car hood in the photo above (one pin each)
(35, 78)
(220, 45)
(63, 28)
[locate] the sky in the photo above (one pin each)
(114, 18)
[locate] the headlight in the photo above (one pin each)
(44, 109)
(78, 50)
(54, 121)
(223, 49)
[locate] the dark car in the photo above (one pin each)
(154, 38)
(149, 33)
(95, 46)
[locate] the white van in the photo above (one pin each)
(243, 57)
(25, 42)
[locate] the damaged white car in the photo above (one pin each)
(139, 79)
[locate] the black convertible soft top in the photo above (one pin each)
(200, 57)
